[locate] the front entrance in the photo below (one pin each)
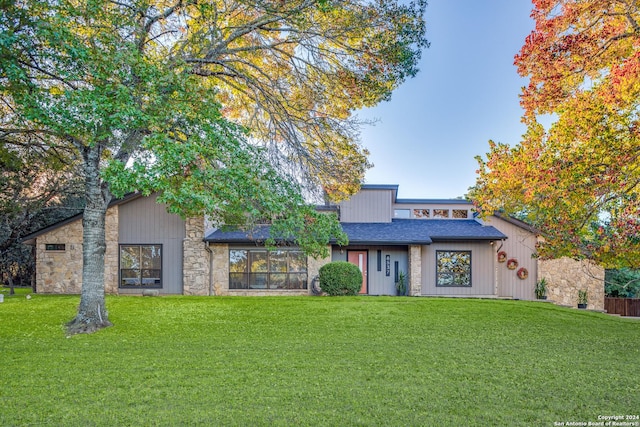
(359, 258)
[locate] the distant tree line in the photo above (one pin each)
(37, 188)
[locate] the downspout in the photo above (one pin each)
(208, 249)
(496, 272)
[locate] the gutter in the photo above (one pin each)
(208, 249)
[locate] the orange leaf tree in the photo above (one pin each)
(577, 179)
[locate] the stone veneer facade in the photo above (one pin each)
(195, 261)
(220, 274)
(415, 270)
(60, 272)
(565, 277)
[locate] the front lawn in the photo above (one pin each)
(315, 361)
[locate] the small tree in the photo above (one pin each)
(340, 278)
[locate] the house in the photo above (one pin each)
(439, 245)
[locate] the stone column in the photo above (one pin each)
(195, 265)
(415, 270)
(111, 254)
(220, 273)
(314, 265)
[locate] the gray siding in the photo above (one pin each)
(378, 281)
(368, 206)
(482, 269)
(145, 221)
(521, 246)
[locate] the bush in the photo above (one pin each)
(340, 278)
(622, 283)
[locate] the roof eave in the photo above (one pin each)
(30, 239)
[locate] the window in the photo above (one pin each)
(441, 213)
(453, 268)
(262, 269)
(54, 247)
(421, 213)
(141, 266)
(402, 213)
(460, 213)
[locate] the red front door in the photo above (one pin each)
(359, 258)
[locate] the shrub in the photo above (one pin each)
(340, 278)
(622, 283)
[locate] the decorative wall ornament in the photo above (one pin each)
(512, 264)
(522, 273)
(502, 256)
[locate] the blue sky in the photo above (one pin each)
(465, 94)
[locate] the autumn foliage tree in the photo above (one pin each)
(577, 179)
(236, 109)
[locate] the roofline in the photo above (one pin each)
(434, 201)
(379, 187)
(517, 222)
(466, 239)
(387, 242)
(394, 188)
(29, 238)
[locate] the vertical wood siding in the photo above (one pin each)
(367, 206)
(520, 245)
(482, 269)
(379, 283)
(143, 221)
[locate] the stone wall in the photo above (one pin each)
(60, 272)
(220, 266)
(111, 255)
(415, 270)
(565, 277)
(314, 265)
(195, 267)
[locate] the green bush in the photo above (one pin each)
(622, 283)
(340, 278)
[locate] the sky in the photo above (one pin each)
(466, 93)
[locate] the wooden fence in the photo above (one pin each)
(622, 306)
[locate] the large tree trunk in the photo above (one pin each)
(92, 314)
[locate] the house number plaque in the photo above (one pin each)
(387, 263)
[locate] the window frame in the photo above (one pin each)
(460, 213)
(55, 247)
(154, 285)
(245, 279)
(439, 273)
(401, 213)
(421, 213)
(440, 213)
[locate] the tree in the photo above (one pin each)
(622, 283)
(578, 179)
(143, 93)
(36, 187)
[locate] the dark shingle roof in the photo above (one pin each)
(396, 232)
(258, 234)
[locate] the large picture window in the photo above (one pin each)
(141, 266)
(453, 268)
(262, 269)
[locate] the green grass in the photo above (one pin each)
(315, 361)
